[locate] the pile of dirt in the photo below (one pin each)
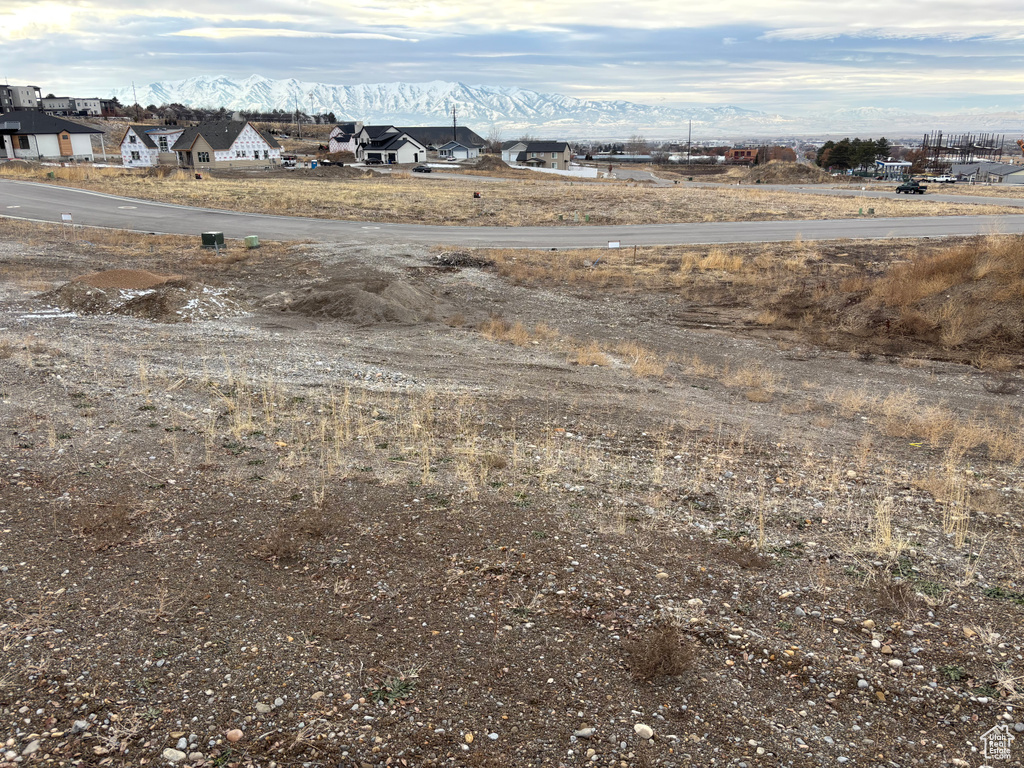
(491, 163)
(125, 279)
(370, 302)
(460, 259)
(19, 165)
(332, 172)
(782, 172)
(183, 301)
(145, 295)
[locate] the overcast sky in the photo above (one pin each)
(785, 56)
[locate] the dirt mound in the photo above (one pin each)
(782, 172)
(332, 172)
(370, 302)
(167, 300)
(490, 163)
(20, 165)
(183, 301)
(460, 259)
(125, 279)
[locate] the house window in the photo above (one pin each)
(131, 139)
(239, 153)
(65, 137)
(266, 154)
(554, 165)
(23, 142)
(533, 154)
(135, 156)
(163, 143)
(202, 157)
(554, 155)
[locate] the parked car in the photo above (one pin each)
(912, 187)
(945, 179)
(373, 161)
(288, 161)
(422, 169)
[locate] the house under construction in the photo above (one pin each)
(943, 151)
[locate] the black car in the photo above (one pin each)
(373, 161)
(422, 169)
(912, 187)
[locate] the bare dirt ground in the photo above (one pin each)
(323, 506)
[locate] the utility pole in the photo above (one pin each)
(689, 136)
(298, 124)
(136, 99)
(455, 130)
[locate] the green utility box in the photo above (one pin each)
(252, 241)
(213, 239)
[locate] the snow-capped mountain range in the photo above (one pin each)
(515, 111)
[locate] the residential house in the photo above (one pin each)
(344, 136)
(42, 137)
(145, 146)
(433, 137)
(226, 144)
(457, 151)
(19, 97)
(538, 154)
(388, 145)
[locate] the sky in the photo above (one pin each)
(789, 57)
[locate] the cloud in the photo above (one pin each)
(220, 33)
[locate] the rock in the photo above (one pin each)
(895, 663)
(868, 623)
(317, 696)
(799, 611)
(644, 731)
(862, 684)
(32, 748)
(695, 602)
(492, 736)
(469, 738)
(263, 708)
(79, 726)
(234, 735)
(886, 649)
(584, 733)
(182, 744)
(278, 702)
(195, 757)
(661, 575)
(173, 755)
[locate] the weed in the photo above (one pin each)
(659, 651)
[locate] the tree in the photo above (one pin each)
(494, 139)
(637, 145)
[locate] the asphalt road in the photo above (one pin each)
(44, 202)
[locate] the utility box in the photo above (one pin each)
(213, 239)
(252, 241)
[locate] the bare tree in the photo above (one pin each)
(494, 139)
(637, 145)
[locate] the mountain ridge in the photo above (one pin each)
(514, 110)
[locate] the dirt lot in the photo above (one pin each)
(323, 506)
(351, 194)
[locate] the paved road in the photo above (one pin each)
(44, 202)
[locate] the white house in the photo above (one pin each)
(226, 144)
(42, 137)
(388, 145)
(145, 146)
(458, 150)
(344, 137)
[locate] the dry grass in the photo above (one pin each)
(443, 201)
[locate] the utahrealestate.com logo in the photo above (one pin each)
(998, 741)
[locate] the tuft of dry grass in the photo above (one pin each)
(589, 354)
